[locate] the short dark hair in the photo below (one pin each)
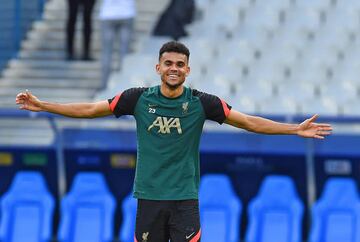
(174, 46)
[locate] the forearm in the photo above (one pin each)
(266, 126)
(73, 110)
(260, 125)
(308, 128)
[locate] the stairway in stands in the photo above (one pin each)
(41, 66)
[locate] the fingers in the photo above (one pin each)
(324, 125)
(27, 94)
(23, 95)
(322, 132)
(18, 102)
(319, 137)
(313, 118)
(325, 128)
(22, 98)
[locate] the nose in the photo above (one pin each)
(173, 67)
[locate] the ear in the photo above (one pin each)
(188, 71)
(157, 67)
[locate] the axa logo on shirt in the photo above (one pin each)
(165, 124)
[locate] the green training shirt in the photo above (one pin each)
(168, 137)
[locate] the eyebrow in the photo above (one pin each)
(180, 61)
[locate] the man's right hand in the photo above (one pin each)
(27, 101)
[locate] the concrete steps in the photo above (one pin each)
(61, 92)
(41, 66)
(53, 93)
(25, 132)
(50, 83)
(54, 64)
(55, 74)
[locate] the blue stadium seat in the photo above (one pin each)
(27, 210)
(87, 211)
(127, 230)
(336, 215)
(220, 209)
(275, 214)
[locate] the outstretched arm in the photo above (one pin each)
(307, 129)
(28, 101)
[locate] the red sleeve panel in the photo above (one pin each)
(114, 101)
(226, 107)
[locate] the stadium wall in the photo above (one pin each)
(246, 158)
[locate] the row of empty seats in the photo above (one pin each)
(87, 211)
(259, 92)
(288, 85)
(27, 210)
(271, 57)
(276, 213)
(281, 45)
(299, 17)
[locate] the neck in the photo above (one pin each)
(170, 92)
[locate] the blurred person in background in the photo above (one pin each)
(73, 9)
(117, 24)
(169, 120)
(173, 20)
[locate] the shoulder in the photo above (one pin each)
(150, 90)
(215, 108)
(132, 95)
(135, 91)
(125, 102)
(203, 96)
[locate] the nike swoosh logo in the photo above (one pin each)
(188, 236)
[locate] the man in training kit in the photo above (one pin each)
(169, 121)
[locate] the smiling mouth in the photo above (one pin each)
(173, 76)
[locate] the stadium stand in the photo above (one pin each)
(260, 45)
(268, 46)
(273, 57)
(40, 64)
(87, 211)
(318, 39)
(275, 214)
(335, 216)
(27, 210)
(219, 211)
(16, 18)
